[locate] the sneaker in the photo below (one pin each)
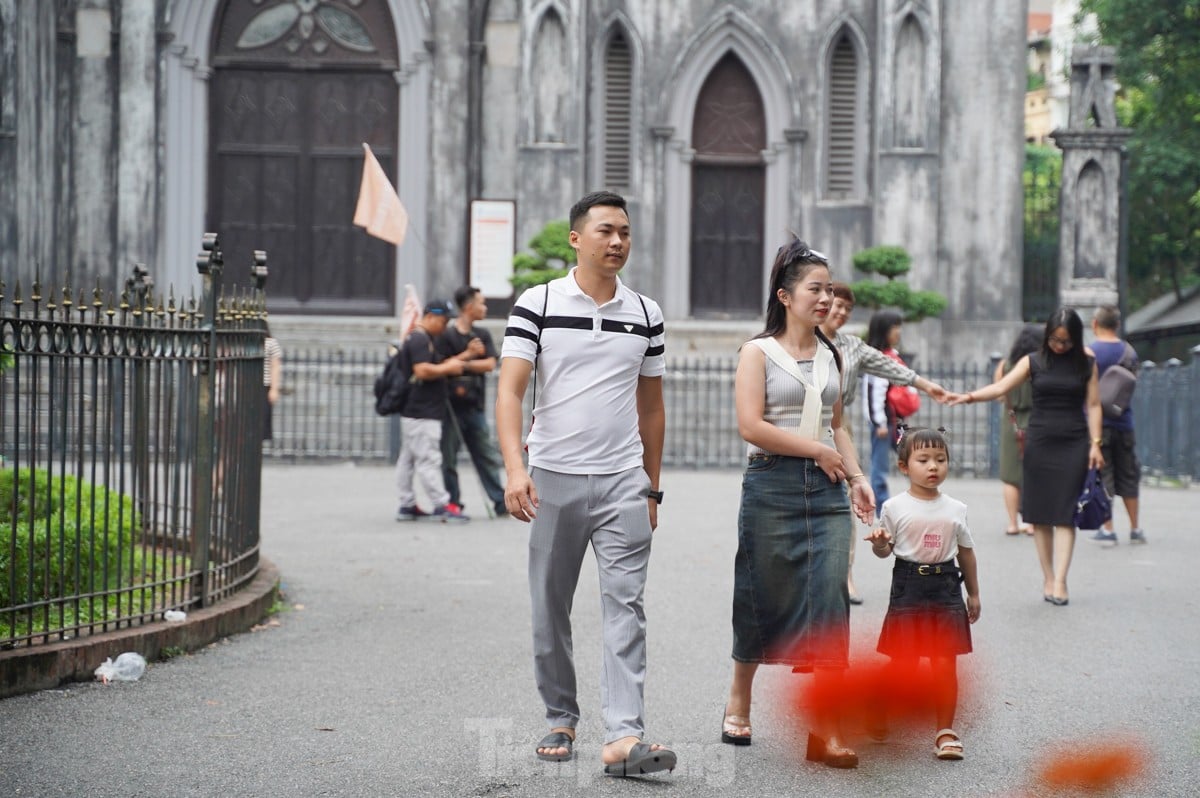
(1105, 539)
(1137, 536)
(449, 513)
(410, 513)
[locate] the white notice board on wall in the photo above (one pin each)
(493, 243)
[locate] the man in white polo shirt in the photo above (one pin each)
(595, 452)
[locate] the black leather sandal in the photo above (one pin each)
(642, 759)
(556, 740)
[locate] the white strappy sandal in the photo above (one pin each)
(951, 748)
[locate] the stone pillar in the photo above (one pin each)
(8, 139)
(36, 124)
(137, 146)
(1091, 199)
(979, 154)
(92, 184)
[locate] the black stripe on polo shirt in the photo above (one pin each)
(611, 325)
(526, 313)
(657, 329)
(655, 351)
(520, 332)
(567, 322)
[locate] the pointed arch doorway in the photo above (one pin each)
(297, 86)
(728, 192)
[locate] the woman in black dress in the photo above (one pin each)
(1062, 440)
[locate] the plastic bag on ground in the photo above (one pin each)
(129, 667)
(175, 616)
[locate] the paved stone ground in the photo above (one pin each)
(403, 667)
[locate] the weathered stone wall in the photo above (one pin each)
(95, 136)
(448, 201)
(92, 180)
(36, 118)
(79, 113)
(8, 138)
(982, 153)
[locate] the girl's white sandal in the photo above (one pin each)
(951, 748)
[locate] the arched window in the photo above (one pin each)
(618, 112)
(842, 121)
(551, 79)
(1090, 234)
(909, 76)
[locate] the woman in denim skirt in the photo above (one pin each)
(790, 602)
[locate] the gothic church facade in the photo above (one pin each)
(128, 128)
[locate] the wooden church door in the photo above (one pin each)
(297, 87)
(728, 189)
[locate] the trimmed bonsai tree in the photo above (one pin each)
(892, 262)
(550, 257)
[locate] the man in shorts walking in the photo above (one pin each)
(1122, 471)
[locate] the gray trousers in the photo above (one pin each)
(420, 458)
(610, 512)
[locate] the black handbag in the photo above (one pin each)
(1094, 506)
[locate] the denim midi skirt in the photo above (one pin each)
(790, 601)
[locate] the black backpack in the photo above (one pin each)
(393, 386)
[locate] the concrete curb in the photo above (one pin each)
(28, 669)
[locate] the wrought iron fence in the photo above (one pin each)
(130, 432)
(1167, 419)
(326, 411)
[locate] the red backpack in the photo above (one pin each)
(902, 400)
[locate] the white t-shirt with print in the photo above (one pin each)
(926, 530)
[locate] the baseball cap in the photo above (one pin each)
(440, 307)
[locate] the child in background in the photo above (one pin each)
(883, 333)
(926, 617)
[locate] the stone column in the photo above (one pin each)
(92, 178)
(1091, 202)
(8, 136)
(35, 117)
(979, 154)
(137, 146)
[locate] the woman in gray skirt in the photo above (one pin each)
(790, 603)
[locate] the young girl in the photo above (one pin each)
(926, 617)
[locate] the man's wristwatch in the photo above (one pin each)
(656, 495)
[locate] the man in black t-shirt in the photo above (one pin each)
(473, 345)
(422, 417)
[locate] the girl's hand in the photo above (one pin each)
(879, 538)
(830, 461)
(1095, 457)
(958, 399)
(862, 500)
(973, 608)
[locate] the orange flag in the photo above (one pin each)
(411, 312)
(379, 208)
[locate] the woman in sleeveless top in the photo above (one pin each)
(790, 603)
(1061, 443)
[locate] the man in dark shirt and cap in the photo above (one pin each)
(422, 417)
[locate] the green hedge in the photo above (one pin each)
(71, 537)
